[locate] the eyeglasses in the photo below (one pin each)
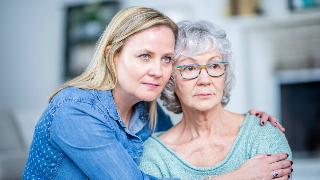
(192, 71)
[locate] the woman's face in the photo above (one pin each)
(203, 92)
(144, 64)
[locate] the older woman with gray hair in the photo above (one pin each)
(211, 142)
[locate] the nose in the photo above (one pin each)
(156, 69)
(203, 78)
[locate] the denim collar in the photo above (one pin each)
(139, 118)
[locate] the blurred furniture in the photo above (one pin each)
(12, 147)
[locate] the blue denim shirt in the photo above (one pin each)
(80, 135)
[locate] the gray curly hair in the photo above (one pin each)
(195, 38)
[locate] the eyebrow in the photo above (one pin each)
(145, 51)
(214, 58)
(185, 58)
(151, 52)
(170, 54)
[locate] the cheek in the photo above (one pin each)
(167, 71)
(183, 92)
(219, 85)
(124, 72)
(121, 70)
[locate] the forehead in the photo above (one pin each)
(203, 57)
(157, 39)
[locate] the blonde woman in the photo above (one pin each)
(95, 125)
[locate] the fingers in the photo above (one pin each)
(260, 156)
(277, 157)
(262, 115)
(281, 173)
(281, 164)
(257, 114)
(254, 112)
(264, 118)
(276, 123)
(283, 177)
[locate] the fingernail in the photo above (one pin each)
(291, 170)
(289, 176)
(291, 163)
(287, 154)
(268, 154)
(257, 114)
(262, 123)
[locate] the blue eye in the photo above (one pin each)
(145, 57)
(167, 59)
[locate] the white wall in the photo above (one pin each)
(31, 67)
(185, 9)
(31, 51)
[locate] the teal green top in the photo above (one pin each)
(162, 162)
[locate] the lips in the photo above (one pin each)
(204, 94)
(151, 85)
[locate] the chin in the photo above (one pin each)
(202, 109)
(202, 106)
(148, 96)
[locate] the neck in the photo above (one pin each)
(124, 103)
(197, 124)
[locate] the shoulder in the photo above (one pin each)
(154, 159)
(153, 149)
(252, 124)
(152, 145)
(77, 108)
(72, 101)
(72, 94)
(265, 139)
(84, 100)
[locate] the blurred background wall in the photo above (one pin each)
(276, 55)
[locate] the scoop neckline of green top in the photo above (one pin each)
(155, 137)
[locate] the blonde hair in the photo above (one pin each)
(101, 73)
